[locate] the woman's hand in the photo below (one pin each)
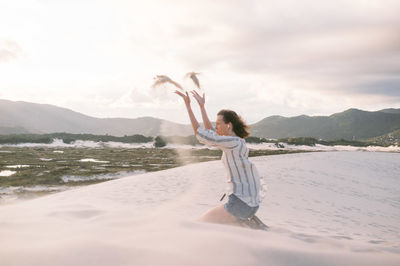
(185, 98)
(202, 101)
(193, 121)
(199, 99)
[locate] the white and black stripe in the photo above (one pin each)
(242, 175)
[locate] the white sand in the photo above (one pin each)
(333, 208)
(7, 173)
(18, 166)
(92, 160)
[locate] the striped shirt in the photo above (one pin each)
(243, 178)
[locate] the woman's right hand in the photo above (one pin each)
(185, 98)
(199, 99)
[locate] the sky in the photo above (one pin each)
(259, 58)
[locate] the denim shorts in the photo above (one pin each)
(238, 208)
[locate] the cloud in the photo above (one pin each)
(388, 87)
(257, 57)
(9, 50)
(133, 97)
(334, 46)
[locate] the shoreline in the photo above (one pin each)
(57, 169)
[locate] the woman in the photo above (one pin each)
(228, 135)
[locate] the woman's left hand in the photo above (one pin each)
(199, 99)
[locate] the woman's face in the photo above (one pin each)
(221, 128)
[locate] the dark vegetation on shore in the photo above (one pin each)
(48, 166)
(69, 138)
(387, 139)
(161, 141)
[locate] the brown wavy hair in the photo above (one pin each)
(239, 127)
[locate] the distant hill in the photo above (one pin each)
(390, 111)
(24, 117)
(352, 124)
(387, 139)
(13, 130)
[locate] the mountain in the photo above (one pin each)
(387, 139)
(24, 117)
(350, 124)
(390, 111)
(13, 130)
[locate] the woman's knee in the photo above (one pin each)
(218, 215)
(209, 215)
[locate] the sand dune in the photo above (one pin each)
(330, 208)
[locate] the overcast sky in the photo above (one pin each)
(259, 58)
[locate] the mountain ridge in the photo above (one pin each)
(46, 118)
(20, 117)
(351, 124)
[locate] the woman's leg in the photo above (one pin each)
(218, 215)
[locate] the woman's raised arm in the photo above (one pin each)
(202, 101)
(193, 120)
